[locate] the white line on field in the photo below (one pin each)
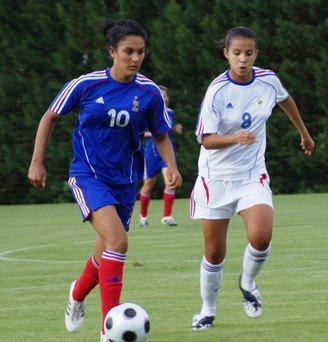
(4, 256)
(4, 253)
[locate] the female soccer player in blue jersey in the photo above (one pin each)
(232, 175)
(154, 164)
(116, 106)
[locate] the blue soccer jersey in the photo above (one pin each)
(153, 161)
(107, 138)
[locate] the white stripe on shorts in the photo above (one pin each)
(79, 196)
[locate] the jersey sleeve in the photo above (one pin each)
(208, 118)
(68, 97)
(281, 92)
(269, 76)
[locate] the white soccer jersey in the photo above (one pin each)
(230, 107)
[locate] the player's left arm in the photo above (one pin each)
(289, 107)
(165, 149)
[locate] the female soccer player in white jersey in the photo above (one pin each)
(116, 106)
(232, 175)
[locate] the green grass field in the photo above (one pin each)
(44, 247)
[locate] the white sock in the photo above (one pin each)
(210, 281)
(252, 265)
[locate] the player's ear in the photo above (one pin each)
(111, 52)
(225, 53)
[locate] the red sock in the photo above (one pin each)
(87, 281)
(144, 202)
(168, 198)
(110, 280)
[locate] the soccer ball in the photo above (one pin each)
(127, 322)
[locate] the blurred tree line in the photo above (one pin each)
(48, 42)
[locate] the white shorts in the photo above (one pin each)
(218, 199)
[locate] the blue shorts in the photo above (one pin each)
(153, 165)
(91, 194)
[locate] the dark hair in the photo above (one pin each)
(116, 31)
(240, 31)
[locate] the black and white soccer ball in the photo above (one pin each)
(127, 322)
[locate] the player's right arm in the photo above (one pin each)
(217, 141)
(37, 173)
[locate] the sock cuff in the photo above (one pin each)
(208, 267)
(258, 254)
(113, 256)
(94, 262)
(169, 192)
(143, 194)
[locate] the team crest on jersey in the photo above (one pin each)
(259, 101)
(135, 107)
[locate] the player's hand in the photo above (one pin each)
(307, 145)
(178, 128)
(246, 138)
(37, 175)
(174, 178)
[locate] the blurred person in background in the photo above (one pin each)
(154, 164)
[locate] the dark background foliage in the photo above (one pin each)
(46, 43)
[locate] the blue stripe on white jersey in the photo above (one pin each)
(263, 72)
(219, 79)
(270, 78)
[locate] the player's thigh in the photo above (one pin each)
(109, 227)
(256, 209)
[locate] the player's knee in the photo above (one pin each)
(260, 243)
(119, 244)
(214, 255)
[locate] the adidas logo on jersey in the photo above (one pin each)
(229, 105)
(100, 100)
